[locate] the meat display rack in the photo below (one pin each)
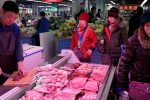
(66, 56)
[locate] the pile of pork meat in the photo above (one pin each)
(69, 82)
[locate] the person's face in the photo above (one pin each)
(9, 17)
(94, 10)
(112, 20)
(82, 24)
(147, 28)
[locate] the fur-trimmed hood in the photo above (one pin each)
(143, 39)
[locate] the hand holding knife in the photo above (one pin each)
(4, 74)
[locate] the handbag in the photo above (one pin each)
(139, 91)
(101, 48)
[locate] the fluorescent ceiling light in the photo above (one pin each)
(112, 2)
(69, 0)
(143, 2)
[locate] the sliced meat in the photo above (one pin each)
(92, 85)
(48, 97)
(78, 82)
(89, 96)
(33, 95)
(67, 94)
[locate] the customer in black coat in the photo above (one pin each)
(134, 22)
(136, 58)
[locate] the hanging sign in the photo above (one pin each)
(52, 0)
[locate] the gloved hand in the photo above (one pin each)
(0, 71)
(22, 68)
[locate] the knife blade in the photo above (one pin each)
(6, 74)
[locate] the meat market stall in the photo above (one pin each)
(66, 78)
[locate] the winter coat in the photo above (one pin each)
(112, 48)
(43, 25)
(90, 42)
(136, 60)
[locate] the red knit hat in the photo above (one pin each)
(84, 16)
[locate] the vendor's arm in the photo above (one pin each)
(19, 51)
(123, 68)
(0, 71)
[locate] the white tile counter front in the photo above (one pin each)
(33, 56)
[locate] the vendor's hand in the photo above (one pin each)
(102, 41)
(0, 71)
(89, 52)
(22, 68)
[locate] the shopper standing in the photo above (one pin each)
(11, 52)
(136, 61)
(114, 36)
(84, 39)
(98, 13)
(92, 14)
(43, 25)
(134, 22)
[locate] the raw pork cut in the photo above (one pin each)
(99, 73)
(89, 96)
(92, 85)
(67, 94)
(33, 95)
(78, 82)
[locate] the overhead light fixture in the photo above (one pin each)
(108, 4)
(143, 2)
(112, 2)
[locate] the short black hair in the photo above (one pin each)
(42, 13)
(93, 8)
(139, 10)
(10, 6)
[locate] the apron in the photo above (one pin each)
(8, 62)
(77, 50)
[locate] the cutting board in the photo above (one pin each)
(26, 80)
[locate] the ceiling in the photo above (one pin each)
(131, 1)
(40, 2)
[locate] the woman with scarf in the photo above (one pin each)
(84, 39)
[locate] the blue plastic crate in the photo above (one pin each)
(26, 40)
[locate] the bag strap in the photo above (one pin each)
(107, 33)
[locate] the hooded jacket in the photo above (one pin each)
(118, 36)
(136, 60)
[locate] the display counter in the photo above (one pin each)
(65, 57)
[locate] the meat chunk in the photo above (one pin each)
(67, 94)
(33, 95)
(18, 76)
(91, 85)
(89, 96)
(78, 82)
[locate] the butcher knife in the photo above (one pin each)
(6, 74)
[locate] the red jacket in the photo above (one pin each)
(90, 42)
